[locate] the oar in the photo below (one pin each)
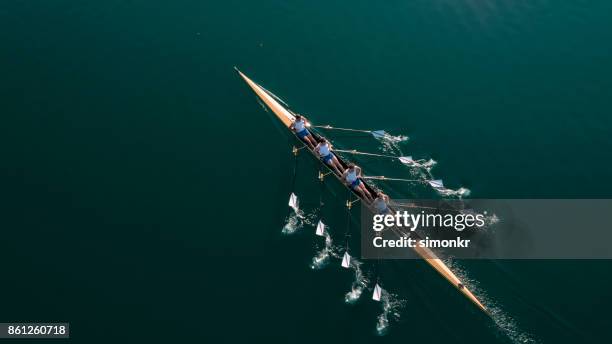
(394, 179)
(376, 133)
(406, 160)
(436, 184)
(329, 127)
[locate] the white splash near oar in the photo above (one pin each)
(391, 306)
(383, 135)
(389, 143)
(438, 185)
(322, 257)
(294, 221)
(421, 163)
(360, 282)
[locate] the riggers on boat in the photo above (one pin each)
(287, 117)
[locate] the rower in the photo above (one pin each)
(352, 177)
(299, 127)
(324, 151)
(381, 203)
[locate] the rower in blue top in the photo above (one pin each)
(352, 178)
(299, 126)
(324, 151)
(381, 203)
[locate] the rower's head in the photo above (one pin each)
(299, 118)
(351, 166)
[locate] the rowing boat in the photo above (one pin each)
(286, 117)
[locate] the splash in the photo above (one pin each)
(293, 223)
(390, 143)
(459, 193)
(391, 307)
(385, 136)
(296, 220)
(491, 220)
(359, 283)
(503, 322)
(424, 166)
(321, 259)
(427, 164)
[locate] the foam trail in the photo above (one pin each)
(460, 193)
(359, 283)
(321, 259)
(491, 220)
(391, 307)
(424, 166)
(503, 322)
(427, 164)
(508, 326)
(390, 143)
(293, 224)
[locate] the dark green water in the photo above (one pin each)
(144, 189)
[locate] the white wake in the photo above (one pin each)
(360, 281)
(503, 321)
(391, 307)
(322, 257)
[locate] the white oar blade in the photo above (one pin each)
(379, 134)
(320, 229)
(346, 260)
(377, 293)
(293, 202)
(406, 160)
(436, 184)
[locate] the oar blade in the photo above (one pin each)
(379, 134)
(406, 160)
(346, 260)
(376, 295)
(293, 202)
(436, 184)
(320, 229)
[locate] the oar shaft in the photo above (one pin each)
(352, 151)
(329, 127)
(394, 179)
